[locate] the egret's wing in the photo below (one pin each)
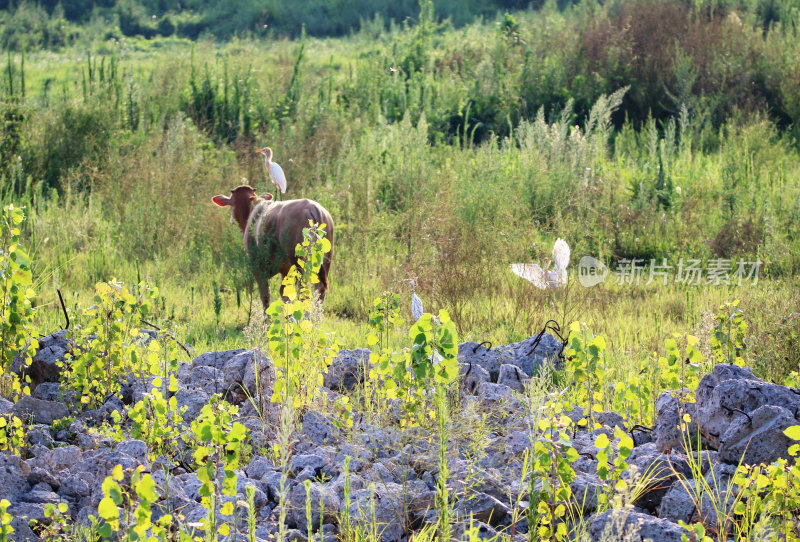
(531, 272)
(561, 254)
(277, 176)
(416, 306)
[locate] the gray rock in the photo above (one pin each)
(217, 360)
(757, 438)
(39, 475)
(318, 430)
(380, 473)
(633, 527)
(75, 486)
(48, 391)
(23, 513)
(641, 436)
(266, 372)
(318, 492)
(513, 377)
(57, 459)
(484, 508)
(5, 405)
(472, 353)
(233, 370)
(610, 419)
(45, 412)
(13, 477)
(679, 502)
(497, 394)
(518, 441)
(388, 501)
(314, 462)
(422, 503)
(40, 434)
(272, 481)
(730, 388)
(478, 528)
(471, 377)
(381, 442)
(359, 457)
(667, 435)
(87, 441)
(347, 369)
(683, 502)
(661, 470)
(530, 360)
(136, 449)
(194, 400)
(44, 366)
(99, 464)
(295, 535)
(259, 467)
(112, 404)
(41, 495)
(586, 489)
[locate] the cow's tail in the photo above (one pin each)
(317, 215)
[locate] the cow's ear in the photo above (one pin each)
(266, 196)
(222, 201)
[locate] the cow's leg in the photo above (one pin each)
(322, 285)
(263, 289)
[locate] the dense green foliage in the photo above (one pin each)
(51, 24)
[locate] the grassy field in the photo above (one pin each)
(430, 150)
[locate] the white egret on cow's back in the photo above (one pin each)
(545, 278)
(274, 170)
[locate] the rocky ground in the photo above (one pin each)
(395, 472)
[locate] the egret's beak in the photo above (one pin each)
(261, 151)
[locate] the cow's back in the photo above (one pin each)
(275, 228)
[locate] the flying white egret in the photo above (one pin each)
(544, 278)
(274, 171)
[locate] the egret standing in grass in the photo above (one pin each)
(417, 311)
(544, 278)
(416, 303)
(274, 171)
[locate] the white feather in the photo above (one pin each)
(545, 278)
(530, 272)
(561, 255)
(277, 176)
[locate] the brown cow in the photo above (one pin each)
(272, 230)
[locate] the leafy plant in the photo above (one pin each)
(12, 433)
(728, 341)
(221, 441)
(611, 466)
(586, 367)
(301, 353)
(156, 419)
(108, 343)
(5, 521)
(16, 295)
(126, 511)
(550, 463)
